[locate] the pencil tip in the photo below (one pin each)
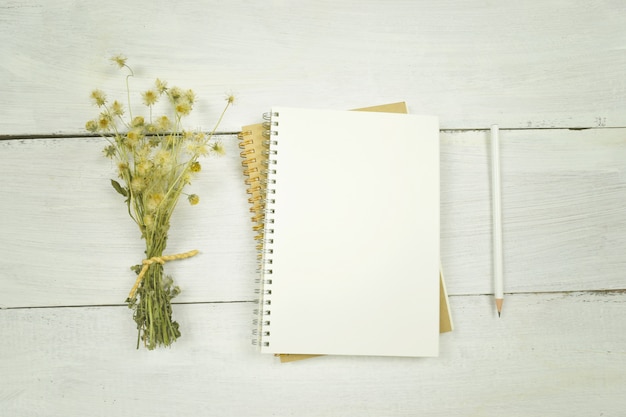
(499, 305)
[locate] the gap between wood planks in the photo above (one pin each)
(470, 129)
(581, 292)
(122, 305)
(81, 136)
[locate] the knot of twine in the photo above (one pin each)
(160, 260)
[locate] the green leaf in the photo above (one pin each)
(119, 188)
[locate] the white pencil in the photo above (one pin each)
(498, 287)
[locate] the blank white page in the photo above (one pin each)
(355, 234)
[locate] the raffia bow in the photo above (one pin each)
(161, 260)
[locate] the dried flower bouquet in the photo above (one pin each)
(156, 158)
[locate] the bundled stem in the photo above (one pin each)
(152, 302)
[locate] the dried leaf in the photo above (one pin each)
(119, 188)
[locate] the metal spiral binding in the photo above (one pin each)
(244, 142)
(264, 226)
(259, 150)
(268, 116)
(254, 154)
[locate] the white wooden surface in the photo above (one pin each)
(537, 68)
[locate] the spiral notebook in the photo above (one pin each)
(253, 152)
(340, 276)
(254, 157)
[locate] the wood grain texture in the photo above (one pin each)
(473, 63)
(551, 353)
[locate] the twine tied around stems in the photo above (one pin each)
(161, 260)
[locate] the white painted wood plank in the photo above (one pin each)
(551, 354)
(68, 241)
(473, 63)
(563, 205)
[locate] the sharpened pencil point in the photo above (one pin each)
(499, 305)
